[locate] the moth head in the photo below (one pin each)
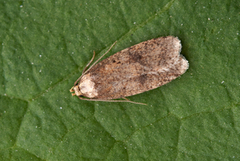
(77, 91)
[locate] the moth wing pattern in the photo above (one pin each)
(136, 69)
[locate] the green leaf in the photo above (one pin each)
(45, 46)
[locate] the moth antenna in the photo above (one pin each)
(85, 68)
(100, 58)
(93, 63)
(126, 100)
(89, 62)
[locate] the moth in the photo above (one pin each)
(137, 69)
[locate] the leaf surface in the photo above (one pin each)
(46, 44)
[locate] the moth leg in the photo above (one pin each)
(101, 100)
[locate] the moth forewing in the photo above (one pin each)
(134, 70)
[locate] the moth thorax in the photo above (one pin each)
(87, 87)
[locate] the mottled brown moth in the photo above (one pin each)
(134, 70)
